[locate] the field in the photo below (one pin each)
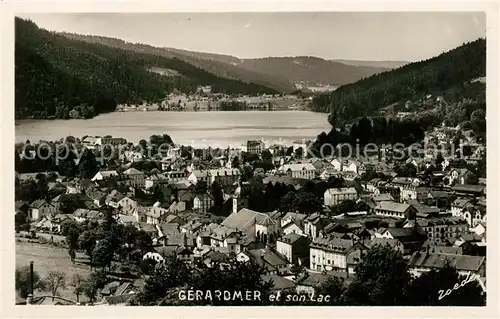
(47, 258)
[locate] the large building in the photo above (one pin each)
(329, 253)
(334, 196)
(255, 147)
(396, 210)
(306, 171)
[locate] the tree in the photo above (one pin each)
(87, 166)
(55, 280)
(201, 187)
(71, 229)
(235, 162)
(173, 274)
(78, 283)
(87, 241)
(381, 279)
(23, 281)
(333, 287)
(94, 282)
(102, 255)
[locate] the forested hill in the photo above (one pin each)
(448, 72)
(55, 74)
(221, 65)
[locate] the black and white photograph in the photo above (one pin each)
(250, 158)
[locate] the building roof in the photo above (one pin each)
(436, 260)
(126, 219)
(343, 190)
(132, 171)
(332, 243)
(462, 203)
(298, 167)
(469, 188)
(279, 283)
(383, 197)
(117, 300)
(291, 238)
(39, 202)
(394, 243)
(393, 207)
(245, 219)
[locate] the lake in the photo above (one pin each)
(217, 129)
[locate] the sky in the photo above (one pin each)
(371, 36)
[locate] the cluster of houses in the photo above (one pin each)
(298, 251)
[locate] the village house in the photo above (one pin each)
(92, 142)
(82, 214)
(97, 196)
(154, 214)
(294, 247)
(176, 176)
(113, 198)
(334, 196)
(224, 176)
(411, 191)
(127, 205)
(280, 284)
(215, 235)
(255, 147)
(41, 208)
(314, 225)
(203, 203)
(103, 175)
(460, 206)
(306, 170)
(412, 238)
(134, 177)
(253, 224)
(396, 210)
(330, 253)
(442, 229)
(337, 164)
(304, 144)
(273, 262)
(470, 191)
(351, 166)
(459, 176)
(422, 262)
(199, 176)
(155, 179)
(139, 213)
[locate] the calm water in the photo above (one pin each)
(187, 128)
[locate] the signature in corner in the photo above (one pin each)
(457, 286)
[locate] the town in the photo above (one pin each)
(101, 228)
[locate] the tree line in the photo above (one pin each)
(446, 72)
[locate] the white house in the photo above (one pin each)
(41, 208)
(102, 175)
(329, 253)
(306, 170)
(334, 196)
(135, 177)
(127, 205)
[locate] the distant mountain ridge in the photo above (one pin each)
(376, 64)
(278, 73)
(311, 69)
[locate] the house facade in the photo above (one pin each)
(334, 196)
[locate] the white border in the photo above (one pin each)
(10, 8)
